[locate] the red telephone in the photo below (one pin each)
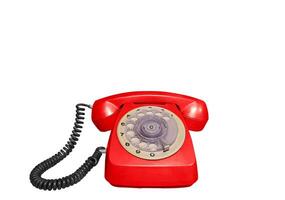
(149, 145)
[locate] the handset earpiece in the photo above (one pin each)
(195, 114)
(104, 114)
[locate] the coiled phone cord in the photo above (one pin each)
(57, 184)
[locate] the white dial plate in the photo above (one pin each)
(151, 132)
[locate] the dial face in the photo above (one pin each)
(151, 132)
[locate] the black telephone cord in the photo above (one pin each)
(57, 184)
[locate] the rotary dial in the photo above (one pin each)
(151, 132)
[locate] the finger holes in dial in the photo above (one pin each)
(152, 147)
(166, 118)
(131, 134)
(130, 126)
(158, 114)
(135, 141)
(143, 145)
(140, 114)
(134, 119)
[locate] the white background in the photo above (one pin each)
(54, 54)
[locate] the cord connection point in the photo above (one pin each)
(98, 153)
(102, 150)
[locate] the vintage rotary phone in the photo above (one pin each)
(149, 145)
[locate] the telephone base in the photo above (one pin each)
(123, 169)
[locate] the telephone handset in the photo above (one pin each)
(149, 145)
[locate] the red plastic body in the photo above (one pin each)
(124, 169)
